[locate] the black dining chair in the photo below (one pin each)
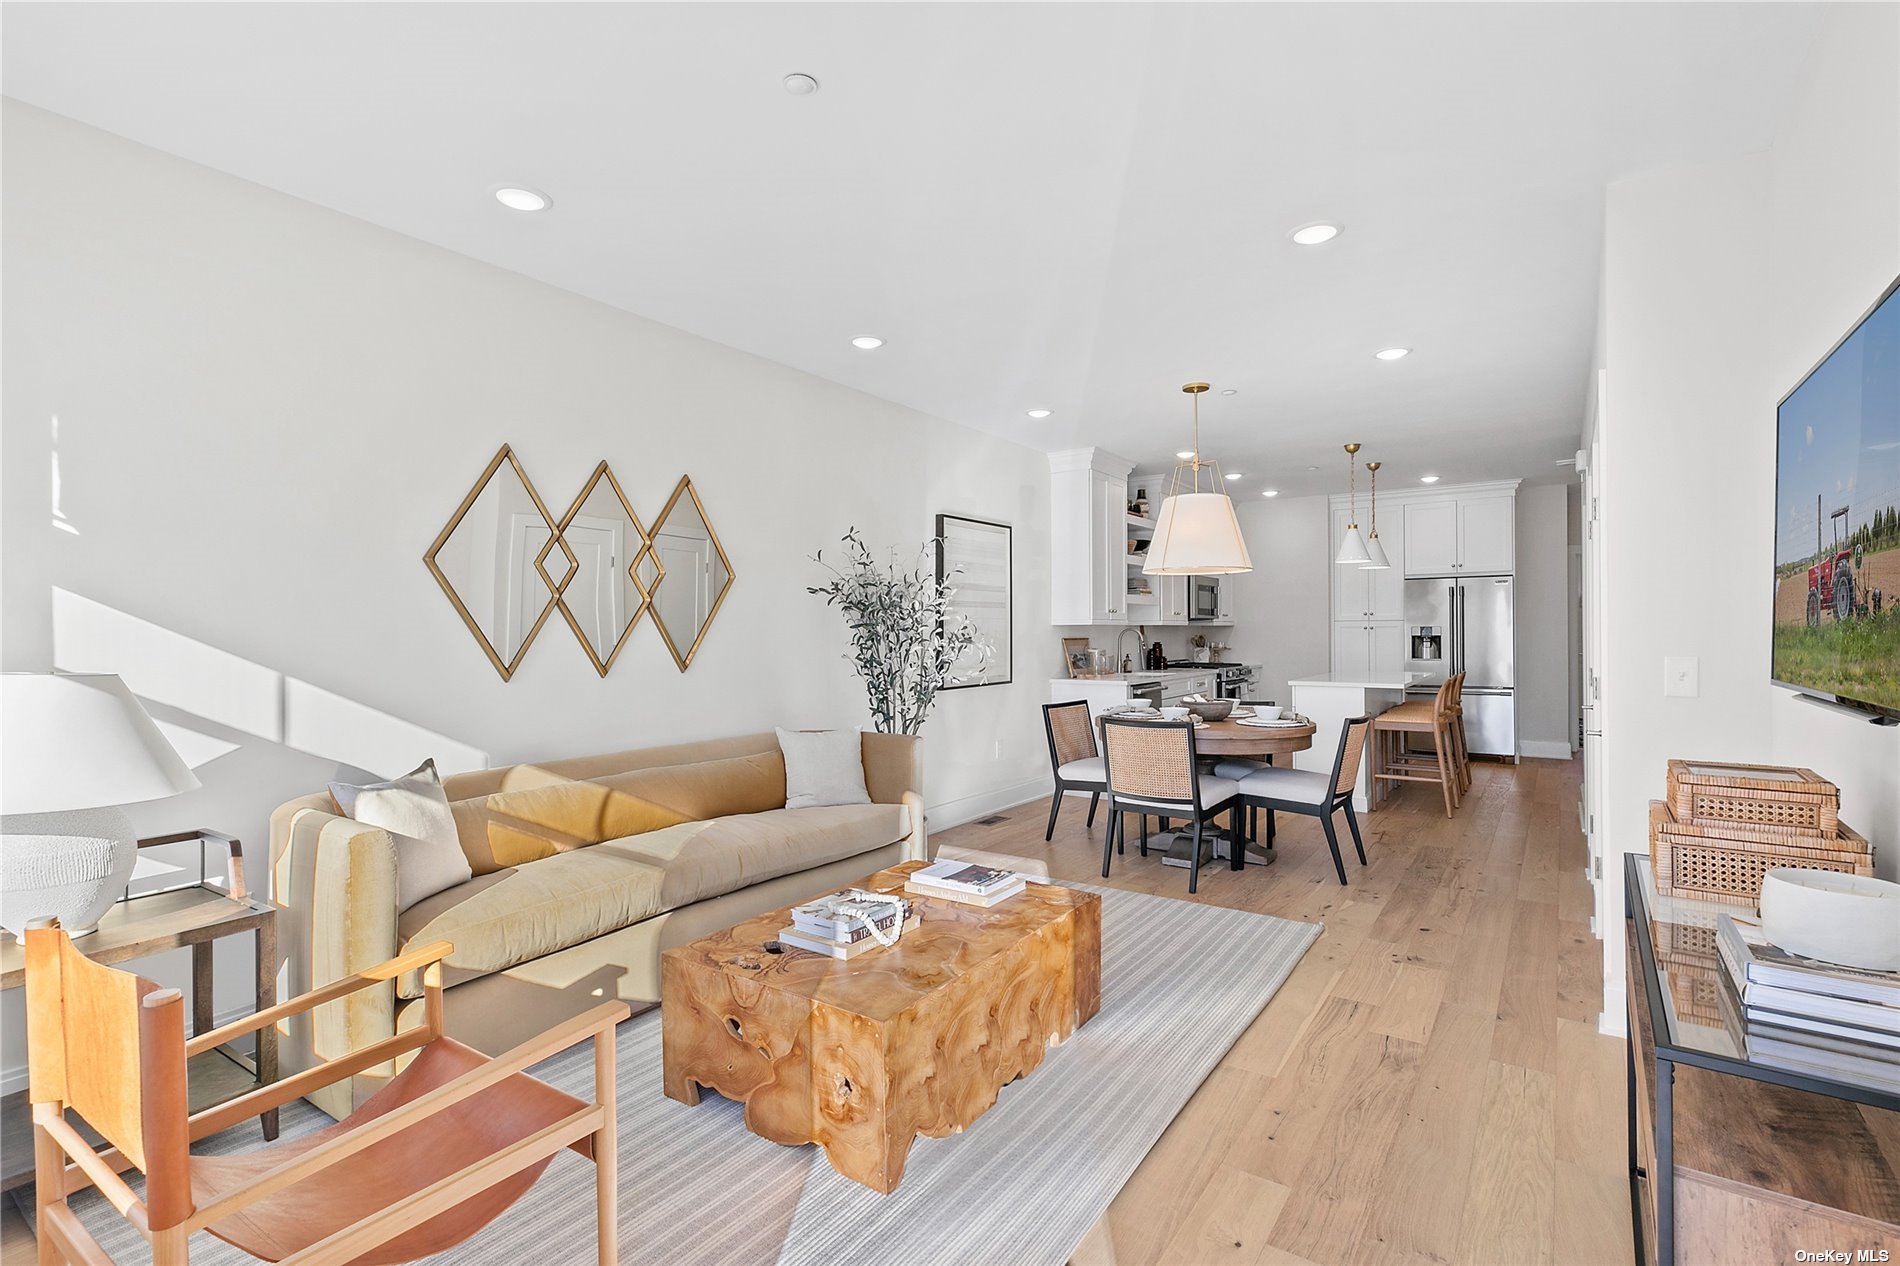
(1153, 769)
(1313, 793)
(1073, 760)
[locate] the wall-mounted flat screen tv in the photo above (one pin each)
(1837, 520)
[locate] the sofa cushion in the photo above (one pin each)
(499, 920)
(509, 828)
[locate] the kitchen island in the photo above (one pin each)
(1328, 700)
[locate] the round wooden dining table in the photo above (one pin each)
(1217, 739)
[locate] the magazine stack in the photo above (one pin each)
(846, 924)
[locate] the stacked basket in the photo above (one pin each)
(1724, 826)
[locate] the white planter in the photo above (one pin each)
(1848, 920)
(71, 866)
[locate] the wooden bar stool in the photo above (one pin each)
(1459, 750)
(1395, 762)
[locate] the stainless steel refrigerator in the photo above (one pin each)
(1467, 624)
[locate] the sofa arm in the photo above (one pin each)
(335, 887)
(894, 774)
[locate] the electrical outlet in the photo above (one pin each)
(1681, 675)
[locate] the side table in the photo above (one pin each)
(196, 916)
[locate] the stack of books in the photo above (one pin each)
(961, 881)
(839, 925)
(1810, 1017)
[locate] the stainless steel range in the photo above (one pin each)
(1234, 681)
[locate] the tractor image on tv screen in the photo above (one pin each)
(1832, 579)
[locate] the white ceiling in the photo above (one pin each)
(1067, 206)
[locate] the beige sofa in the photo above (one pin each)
(584, 871)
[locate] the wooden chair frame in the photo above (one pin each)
(1334, 802)
(168, 1215)
(1164, 808)
(1066, 785)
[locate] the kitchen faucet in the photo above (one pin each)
(1136, 630)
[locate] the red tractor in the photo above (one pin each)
(1831, 580)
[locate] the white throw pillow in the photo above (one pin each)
(823, 767)
(415, 810)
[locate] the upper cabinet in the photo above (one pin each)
(1455, 532)
(1487, 534)
(1089, 566)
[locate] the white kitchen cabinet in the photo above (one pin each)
(1431, 537)
(1450, 535)
(1226, 609)
(1088, 519)
(1176, 689)
(1367, 649)
(1174, 598)
(1359, 594)
(1487, 534)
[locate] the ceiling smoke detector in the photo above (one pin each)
(800, 85)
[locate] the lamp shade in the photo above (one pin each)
(1196, 534)
(1352, 550)
(1375, 555)
(80, 741)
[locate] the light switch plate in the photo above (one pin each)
(1681, 675)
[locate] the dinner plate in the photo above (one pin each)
(1262, 723)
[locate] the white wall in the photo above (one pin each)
(1283, 607)
(265, 411)
(1723, 283)
(1544, 607)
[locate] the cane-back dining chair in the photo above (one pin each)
(1153, 769)
(1073, 760)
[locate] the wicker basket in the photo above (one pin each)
(1700, 862)
(1779, 799)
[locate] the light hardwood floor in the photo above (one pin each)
(1429, 1085)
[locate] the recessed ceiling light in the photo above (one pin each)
(800, 85)
(1314, 234)
(864, 342)
(1185, 454)
(1233, 474)
(1394, 353)
(1428, 479)
(1312, 468)
(516, 198)
(1269, 492)
(1039, 413)
(1230, 391)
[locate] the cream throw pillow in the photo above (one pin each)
(823, 767)
(415, 810)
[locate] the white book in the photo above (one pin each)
(1767, 1024)
(965, 876)
(1765, 1002)
(984, 900)
(1752, 961)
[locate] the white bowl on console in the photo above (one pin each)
(1848, 920)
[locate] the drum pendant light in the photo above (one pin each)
(1375, 552)
(1352, 550)
(1196, 533)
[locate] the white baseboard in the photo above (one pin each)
(1544, 749)
(941, 817)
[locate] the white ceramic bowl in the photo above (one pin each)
(1849, 920)
(1172, 713)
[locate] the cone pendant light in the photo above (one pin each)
(1196, 533)
(1352, 550)
(1375, 552)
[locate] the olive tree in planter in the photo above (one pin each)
(902, 642)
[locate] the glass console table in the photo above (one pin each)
(1683, 1016)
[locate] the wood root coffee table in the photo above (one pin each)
(862, 1055)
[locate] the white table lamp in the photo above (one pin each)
(73, 747)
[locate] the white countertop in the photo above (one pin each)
(1149, 674)
(1392, 681)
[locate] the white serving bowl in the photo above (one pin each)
(1849, 920)
(1172, 713)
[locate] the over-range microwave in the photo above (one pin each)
(1203, 598)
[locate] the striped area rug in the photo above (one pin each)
(1180, 982)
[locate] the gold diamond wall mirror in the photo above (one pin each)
(492, 562)
(607, 595)
(686, 573)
